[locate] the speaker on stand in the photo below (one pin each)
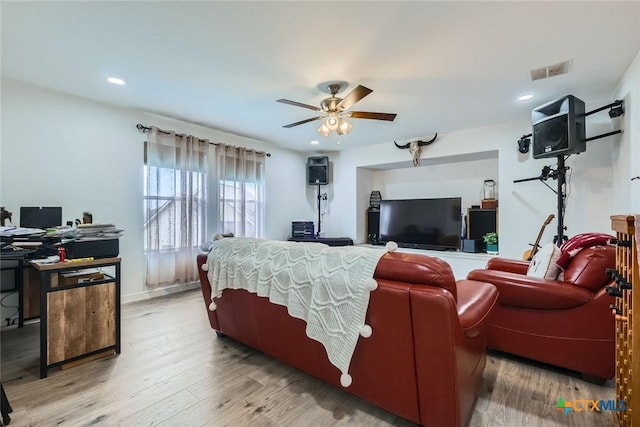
(559, 128)
(318, 174)
(318, 170)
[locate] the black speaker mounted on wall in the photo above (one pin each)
(559, 128)
(318, 170)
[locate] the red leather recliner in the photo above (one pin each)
(567, 322)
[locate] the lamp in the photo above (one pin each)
(344, 127)
(334, 123)
(324, 129)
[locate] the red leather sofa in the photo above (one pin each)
(567, 323)
(425, 358)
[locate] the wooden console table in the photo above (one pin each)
(81, 319)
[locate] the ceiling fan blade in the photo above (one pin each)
(375, 116)
(301, 122)
(354, 96)
(298, 104)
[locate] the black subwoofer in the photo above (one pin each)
(481, 222)
(373, 226)
(559, 128)
(318, 170)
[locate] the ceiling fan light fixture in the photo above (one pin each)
(344, 127)
(333, 109)
(332, 123)
(324, 130)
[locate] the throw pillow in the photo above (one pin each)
(543, 264)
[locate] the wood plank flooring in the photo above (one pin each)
(174, 371)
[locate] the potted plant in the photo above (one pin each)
(491, 240)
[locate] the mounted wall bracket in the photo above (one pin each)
(617, 110)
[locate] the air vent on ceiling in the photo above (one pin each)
(550, 71)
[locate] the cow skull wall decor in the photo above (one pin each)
(415, 148)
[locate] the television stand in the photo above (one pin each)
(426, 247)
(331, 241)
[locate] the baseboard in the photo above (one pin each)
(154, 293)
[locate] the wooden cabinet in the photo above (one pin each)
(79, 318)
(31, 292)
(80, 321)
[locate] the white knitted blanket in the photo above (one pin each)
(328, 287)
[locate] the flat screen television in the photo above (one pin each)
(422, 223)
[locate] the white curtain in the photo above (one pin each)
(240, 175)
(175, 199)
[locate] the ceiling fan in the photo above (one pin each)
(334, 109)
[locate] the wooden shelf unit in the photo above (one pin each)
(78, 319)
(627, 348)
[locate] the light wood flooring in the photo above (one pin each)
(174, 371)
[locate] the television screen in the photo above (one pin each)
(40, 217)
(422, 223)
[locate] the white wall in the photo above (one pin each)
(523, 206)
(60, 150)
(463, 178)
(626, 156)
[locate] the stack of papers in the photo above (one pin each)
(49, 260)
(99, 231)
(19, 231)
(64, 231)
(87, 232)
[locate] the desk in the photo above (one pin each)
(81, 319)
(22, 259)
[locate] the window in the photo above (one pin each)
(176, 194)
(175, 207)
(241, 206)
(240, 177)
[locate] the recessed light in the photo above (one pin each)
(315, 142)
(526, 97)
(116, 81)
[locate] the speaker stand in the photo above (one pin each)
(561, 172)
(561, 175)
(319, 212)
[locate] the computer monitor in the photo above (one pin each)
(40, 217)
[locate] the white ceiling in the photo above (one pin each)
(442, 66)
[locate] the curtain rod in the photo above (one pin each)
(142, 128)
